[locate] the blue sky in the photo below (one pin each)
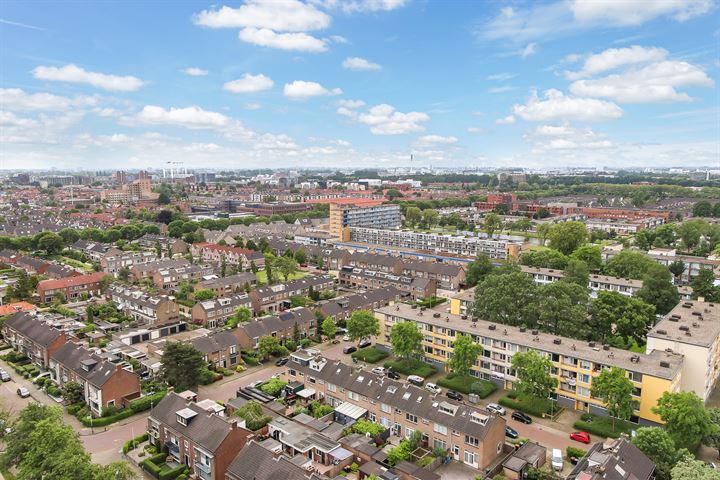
(294, 84)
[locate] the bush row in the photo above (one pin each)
(412, 367)
(468, 384)
(133, 442)
(370, 354)
(603, 426)
(525, 403)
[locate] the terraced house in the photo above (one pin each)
(215, 312)
(142, 306)
(29, 334)
(471, 435)
(230, 285)
(214, 253)
(169, 278)
(113, 263)
(71, 288)
(275, 298)
(575, 362)
(360, 278)
(281, 326)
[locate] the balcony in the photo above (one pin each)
(173, 449)
(203, 470)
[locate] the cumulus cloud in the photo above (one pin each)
(278, 15)
(357, 63)
(74, 74)
(249, 83)
(188, 117)
(195, 72)
(565, 137)
(510, 119)
(613, 58)
(301, 90)
(351, 103)
(637, 12)
(383, 119)
(502, 76)
(265, 37)
(556, 106)
(18, 100)
(432, 140)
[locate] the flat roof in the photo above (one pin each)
(692, 322)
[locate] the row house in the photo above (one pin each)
(71, 288)
(215, 312)
(203, 441)
(469, 434)
(342, 308)
(378, 263)
(9, 257)
(255, 462)
(360, 278)
(219, 349)
(55, 271)
(147, 270)
(308, 446)
(275, 298)
(171, 277)
(281, 326)
(173, 246)
(224, 286)
(30, 335)
(113, 262)
(32, 265)
(613, 459)
(142, 306)
(575, 363)
(105, 384)
(447, 276)
(95, 251)
(240, 257)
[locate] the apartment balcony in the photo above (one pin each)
(203, 471)
(173, 449)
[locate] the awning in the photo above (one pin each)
(340, 453)
(350, 410)
(306, 393)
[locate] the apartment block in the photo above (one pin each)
(71, 288)
(692, 329)
(104, 383)
(472, 435)
(575, 363)
(436, 242)
(30, 335)
(215, 312)
(360, 278)
(348, 213)
(142, 306)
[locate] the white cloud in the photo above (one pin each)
(353, 6)
(265, 37)
(188, 117)
(249, 84)
(195, 72)
(383, 119)
(357, 63)
(19, 100)
(556, 106)
(301, 90)
(613, 58)
(338, 39)
(652, 83)
(476, 130)
(510, 119)
(9, 119)
(253, 106)
(351, 103)
(530, 49)
(637, 12)
(502, 76)
(74, 74)
(503, 89)
(278, 15)
(340, 142)
(430, 140)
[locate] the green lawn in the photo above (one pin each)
(370, 354)
(603, 426)
(412, 367)
(73, 263)
(261, 276)
(530, 405)
(467, 384)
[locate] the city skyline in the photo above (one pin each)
(364, 83)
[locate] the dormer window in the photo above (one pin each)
(184, 416)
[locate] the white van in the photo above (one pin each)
(557, 459)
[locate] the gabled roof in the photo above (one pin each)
(76, 358)
(255, 462)
(31, 327)
(214, 342)
(72, 281)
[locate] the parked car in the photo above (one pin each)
(510, 432)
(416, 380)
(365, 342)
(5, 376)
(582, 437)
(379, 370)
(281, 361)
(346, 338)
(350, 349)
(431, 387)
(393, 374)
(495, 408)
(557, 459)
(454, 395)
(23, 392)
(521, 417)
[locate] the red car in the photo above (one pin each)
(583, 437)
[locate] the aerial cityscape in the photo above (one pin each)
(360, 239)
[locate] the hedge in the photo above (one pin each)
(467, 384)
(370, 354)
(412, 367)
(252, 361)
(132, 443)
(153, 465)
(104, 421)
(575, 452)
(143, 403)
(602, 426)
(525, 403)
(172, 473)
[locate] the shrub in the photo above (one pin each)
(365, 426)
(273, 387)
(575, 452)
(104, 421)
(370, 354)
(73, 409)
(603, 426)
(54, 391)
(467, 384)
(250, 360)
(132, 443)
(425, 461)
(173, 473)
(412, 367)
(143, 403)
(528, 404)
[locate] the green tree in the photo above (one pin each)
(615, 390)
(73, 393)
(164, 198)
(547, 258)
(532, 371)
(703, 286)
(491, 223)
(478, 270)
(241, 315)
(430, 217)
(270, 346)
(252, 413)
(568, 236)
(286, 266)
(628, 264)
(204, 294)
(543, 230)
(223, 266)
(508, 298)
(413, 215)
(18, 441)
(562, 309)
(677, 268)
(300, 256)
(406, 339)
(687, 468)
(69, 235)
(182, 366)
(658, 289)
(124, 274)
(656, 443)
(362, 324)
(712, 439)
(613, 313)
(52, 243)
(685, 417)
(328, 327)
(590, 254)
(273, 387)
(577, 272)
(465, 353)
(269, 269)
(524, 224)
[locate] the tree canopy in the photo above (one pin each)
(182, 366)
(532, 371)
(465, 353)
(362, 324)
(406, 339)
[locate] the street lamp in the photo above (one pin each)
(91, 426)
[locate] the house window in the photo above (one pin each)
(437, 443)
(353, 396)
(470, 440)
(440, 429)
(385, 408)
(331, 387)
(411, 418)
(470, 458)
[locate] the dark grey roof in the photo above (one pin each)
(206, 430)
(31, 327)
(436, 268)
(264, 326)
(257, 463)
(360, 300)
(359, 258)
(214, 342)
(615, 460)
(74, 357)
(232, 280)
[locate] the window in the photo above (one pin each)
(385, 408)
(408, 432)
(470, 458)
(371, 417)
(410, 418)
(470, 440)
(353, 396)
(437, 443)
(331, 387)
(440, 429)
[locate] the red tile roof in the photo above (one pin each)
(16, 307)
(71, 281)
